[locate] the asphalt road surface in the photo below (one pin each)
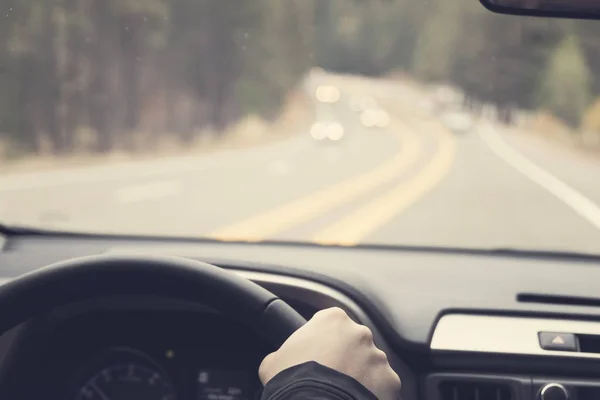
(414, 182)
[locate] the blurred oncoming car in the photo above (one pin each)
(330, 131)
(360, 104)
(328, 94)
(458, 121)
(375, 118)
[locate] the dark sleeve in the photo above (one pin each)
(314, 381)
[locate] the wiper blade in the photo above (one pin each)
(6, 229)
(544, 253)
(499, 251)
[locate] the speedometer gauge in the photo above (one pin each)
(130, 379)
(127, 382)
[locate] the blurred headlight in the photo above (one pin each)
(328, 94)
(322, 94)
(335, 131)
(318, 131)
(368, 118)
(334, 94)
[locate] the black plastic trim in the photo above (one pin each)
(18, 233)
(172, 277)
(362, 301)
(560, 300)
(520, 386)
(539, 13)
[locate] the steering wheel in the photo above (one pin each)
(100, 276)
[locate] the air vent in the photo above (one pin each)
(457, 390)
(473, 386)
(558, 300)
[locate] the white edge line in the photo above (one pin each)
(571, 197)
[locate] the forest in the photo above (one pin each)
(94, 75)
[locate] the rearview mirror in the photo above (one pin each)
(584, 9)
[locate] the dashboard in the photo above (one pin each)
(455, 325)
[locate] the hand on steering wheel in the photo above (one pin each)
(332, 339)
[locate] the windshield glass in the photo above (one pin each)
(397, 122)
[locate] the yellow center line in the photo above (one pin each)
(270, 223)
(352, 229)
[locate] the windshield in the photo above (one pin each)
(396, 122)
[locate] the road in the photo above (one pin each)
(413, 182)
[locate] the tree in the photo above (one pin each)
(114, 67)
(434, 55)
(565, 89)
(98, 75)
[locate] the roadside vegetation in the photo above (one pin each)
(98, 76)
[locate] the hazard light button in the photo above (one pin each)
(558, 341)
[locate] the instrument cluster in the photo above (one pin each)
(151, 355)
